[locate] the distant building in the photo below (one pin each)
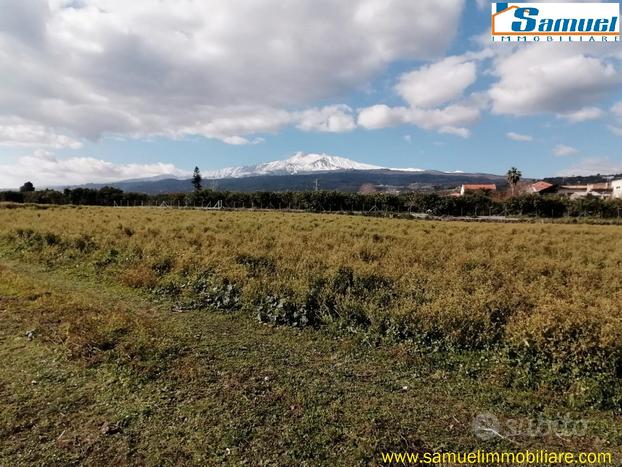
(616, 188)
(368, 188)
(477, 187)
(602, 190)
(570, 190)
(542, 187)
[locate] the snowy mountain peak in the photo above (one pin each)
(299, 163)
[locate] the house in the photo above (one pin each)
(601, 190)
(542, 188)
(570, 190)
(477, 187)
(598, 190)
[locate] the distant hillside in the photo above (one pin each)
(306, 172)
(347, 180)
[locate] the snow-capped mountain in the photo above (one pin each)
(302, 172)
(299, 163)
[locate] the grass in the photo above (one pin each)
(169, 388)
(107, 353)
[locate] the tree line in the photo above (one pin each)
(472, 204)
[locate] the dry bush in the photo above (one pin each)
(454, 285)
(139, 276)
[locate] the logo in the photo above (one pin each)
(486, 426)
(555, 22)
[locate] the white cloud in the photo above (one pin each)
(518, 137)
(240, 141)
(438, 83)
(456, 131)
(332, 119)
(615, 130)
(560, 78)
(582, 115)
(229, 123)
(616, 110)
(450, 119)
(426, 90)
(34, 136)
(235, 70)
(381, 116)
(561, 150)
(217, 68)
(45, 169)
(593, 166)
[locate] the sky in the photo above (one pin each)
(106, 90)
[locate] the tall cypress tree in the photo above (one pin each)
(197, 180)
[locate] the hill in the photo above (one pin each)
(346, 180)
(304, 172)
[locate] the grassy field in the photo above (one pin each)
(170, 337)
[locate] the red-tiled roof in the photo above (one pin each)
(541, 186)
(480, 186)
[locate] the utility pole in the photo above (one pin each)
(317, 185)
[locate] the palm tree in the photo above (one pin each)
(514, 175)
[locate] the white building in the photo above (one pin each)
(617, 188)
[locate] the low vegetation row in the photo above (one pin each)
(544, 302)
(474, 204)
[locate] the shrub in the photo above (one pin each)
(51, 239)
(85, 244)
(543, 298)
(139, 276)
(163, 266)
(210, 291)
(285, 311)
(568, 348)
(256, 265)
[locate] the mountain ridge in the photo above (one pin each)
(302, 172)
(299, 163)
